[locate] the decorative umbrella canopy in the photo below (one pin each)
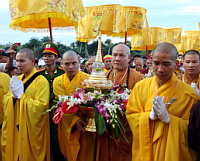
(148, 40)
(112, 20)
(151, 37)
(172, 35)
(182, 47)
(193, 40)
(98, 20)
(34, 15)
(131, 20)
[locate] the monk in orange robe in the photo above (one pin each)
(110, 148)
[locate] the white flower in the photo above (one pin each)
(73, 101)
(62, 98)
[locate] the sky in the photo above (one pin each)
(167, 13)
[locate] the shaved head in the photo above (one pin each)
(120, 57)
(70, 63)
(123, 47)
(70, 53)
(29, 53)
(167, 48)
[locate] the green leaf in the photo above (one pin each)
(100, 123)
(116, 130)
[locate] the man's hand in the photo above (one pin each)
(11, 52)
(16, 87)
(80, 125)
(14, 46)
(153, 115)
(193, 85)
(160, 109)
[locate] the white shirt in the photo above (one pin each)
(3, 67)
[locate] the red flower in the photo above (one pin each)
(120, 90)
(66, 109)
(124, 103)
(58, 114)
(60, 111)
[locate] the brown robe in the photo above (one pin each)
(110, 148)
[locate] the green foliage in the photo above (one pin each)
(85, 49)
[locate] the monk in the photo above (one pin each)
(89, 64)
(110, 148)
(139, 66)
(4, 88)
(158, 111)
(25, 130)
(191, 64)
(75, 143)
(121, 73)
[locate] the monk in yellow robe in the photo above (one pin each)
(158, 111)
(110, 148)
(25, 130)
(191, 64)
(4, 88)
(75, 144)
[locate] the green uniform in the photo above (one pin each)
(55, 148)
(57, 72)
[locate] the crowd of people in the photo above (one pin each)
(162, 121)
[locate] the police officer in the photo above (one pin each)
(50, 71)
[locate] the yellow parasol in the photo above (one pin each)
(148, 40)
(98, 20)
(40, 15)
(193, 40)
(173, 35)
(182, 47)
(111, 20)
(131, 21)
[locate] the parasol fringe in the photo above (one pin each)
(67, 21)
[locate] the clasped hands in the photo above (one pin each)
(159, 110)
(17, 87)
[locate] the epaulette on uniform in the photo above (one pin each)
(61, 68)
(41, 70)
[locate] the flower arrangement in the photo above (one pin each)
(107, 105)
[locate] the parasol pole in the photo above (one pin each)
(147, 54)
(125, 41)
(50, 29)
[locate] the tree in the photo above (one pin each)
(45, 39)
(108, 42)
